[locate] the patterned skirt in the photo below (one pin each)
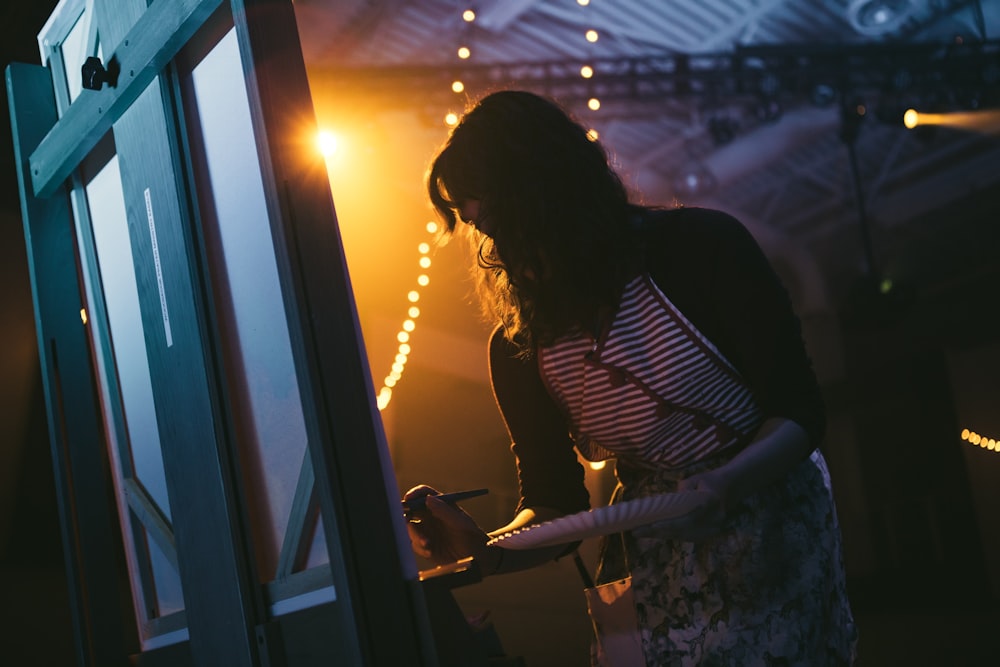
(769, 590)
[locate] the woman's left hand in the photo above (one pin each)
(705, 520)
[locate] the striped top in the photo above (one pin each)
(650, 388)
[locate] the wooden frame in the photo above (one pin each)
(378, 617)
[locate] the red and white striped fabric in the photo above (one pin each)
(650, 388)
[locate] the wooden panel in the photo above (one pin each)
(139, 55)
(91, 541)
(355, 481)
(223, 603)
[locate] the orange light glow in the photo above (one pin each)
(987, 122)
(451, 119)
(593, 104)
(593, 134)
(981, 441)
(327, 143)
(457, 86)
(464, 52)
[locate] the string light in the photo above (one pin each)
(409, 325)
(592, 36)
(975, 439)
(468, 16)
(464, 52)
(593, 104)
(586, 71)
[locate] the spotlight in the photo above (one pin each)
(693, 180)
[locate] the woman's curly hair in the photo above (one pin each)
(562, 228)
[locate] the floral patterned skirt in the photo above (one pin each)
(769, 590)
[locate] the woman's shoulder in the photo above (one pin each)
(692, 222)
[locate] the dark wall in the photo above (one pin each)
(922, 514)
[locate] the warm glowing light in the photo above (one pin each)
(981, 441)
(409, 325)
(598, 465)
(327, 143)
(451, 119)
(457, 86)
(593, 104)
(911, 118)
(468, 16)
(384, 396)
(593, 134)
(861, 110)
(586, 71)
(592, 36)
(583, 3)
(83, 315)
(986, 121)
(464, 52)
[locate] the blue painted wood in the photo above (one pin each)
(91, 538)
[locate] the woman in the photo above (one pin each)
(663, 339)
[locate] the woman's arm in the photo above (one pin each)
(779, 446)
(444, 533)
(550, 478)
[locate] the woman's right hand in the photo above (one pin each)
(442, 532)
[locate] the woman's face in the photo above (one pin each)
(472, 212)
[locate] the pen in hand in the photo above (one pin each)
(421, 501)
